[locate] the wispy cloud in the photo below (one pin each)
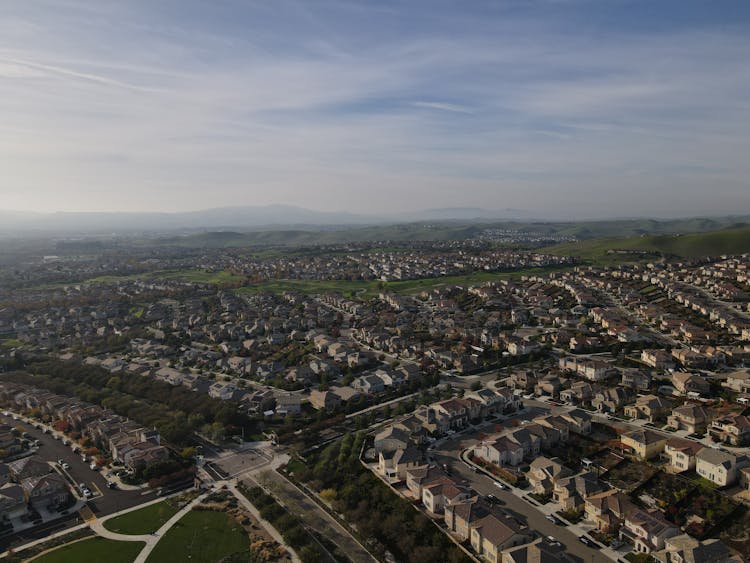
(454, 108)
(143, 106)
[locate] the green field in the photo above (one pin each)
(728, 241)
(94, 550)
(143, 521)
(201, 535)
(367, 289)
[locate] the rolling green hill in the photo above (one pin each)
(726, 241)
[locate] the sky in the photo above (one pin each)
(556, 108)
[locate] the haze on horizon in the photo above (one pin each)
(579, 108)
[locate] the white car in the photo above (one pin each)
(500, 485)
(65, 466)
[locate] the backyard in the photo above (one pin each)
(629, 475)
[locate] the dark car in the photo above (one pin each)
(589, 542)
(492, 499)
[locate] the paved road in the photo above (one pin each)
(521, 509)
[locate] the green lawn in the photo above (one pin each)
(143, 521)
(94, 550)
(201, 535)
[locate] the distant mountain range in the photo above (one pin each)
(239, 218)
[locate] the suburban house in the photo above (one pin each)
(500, 450)
(645, 444)
(461, 515)
(683, 548)
(48, 492)
(648, 407)
(607, 509)
(686, 383)
(12, 501)
(647, 530)
(393, 464)
(611, 399)
(739, 381)
(681, 454)
(579, 392)
(440, 493)
(539, 550)
(718, 466)
(324, 400)
(657, 359)
(690, 417)
(544, 473)
(493, 534)
(570, 492)
(732, 428)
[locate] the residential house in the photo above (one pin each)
(12, 501)
(500, 450)
(47, 492)
(681, 454)
(657, 359)
(739, 381)
(493, 534)
(683, 548)
(544, 473)
(580, 392)
(288, 403)
(607, 509)
(28, 467)
(635, 378)
(549, 386)
(646, 444)
(580, 421)
(539, 550)
(731, 428)
(612, 399)
(648, 407)
(718, 466)
(324, 400)
(647, 530)
(440, 493)
(571, 491)
(686, 383)
(393, 464)
(691, 417)
(393, 437)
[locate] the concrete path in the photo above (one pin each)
(154, 538)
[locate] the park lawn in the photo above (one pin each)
(201, 535)
(143, 521)
(94, 550)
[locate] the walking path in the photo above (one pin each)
(153, 539)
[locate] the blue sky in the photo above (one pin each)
(564, 108)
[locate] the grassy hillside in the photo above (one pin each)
(728, 241)
(445, 230)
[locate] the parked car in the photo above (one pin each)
(588, 541)
(66, 466)
(500, 485)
